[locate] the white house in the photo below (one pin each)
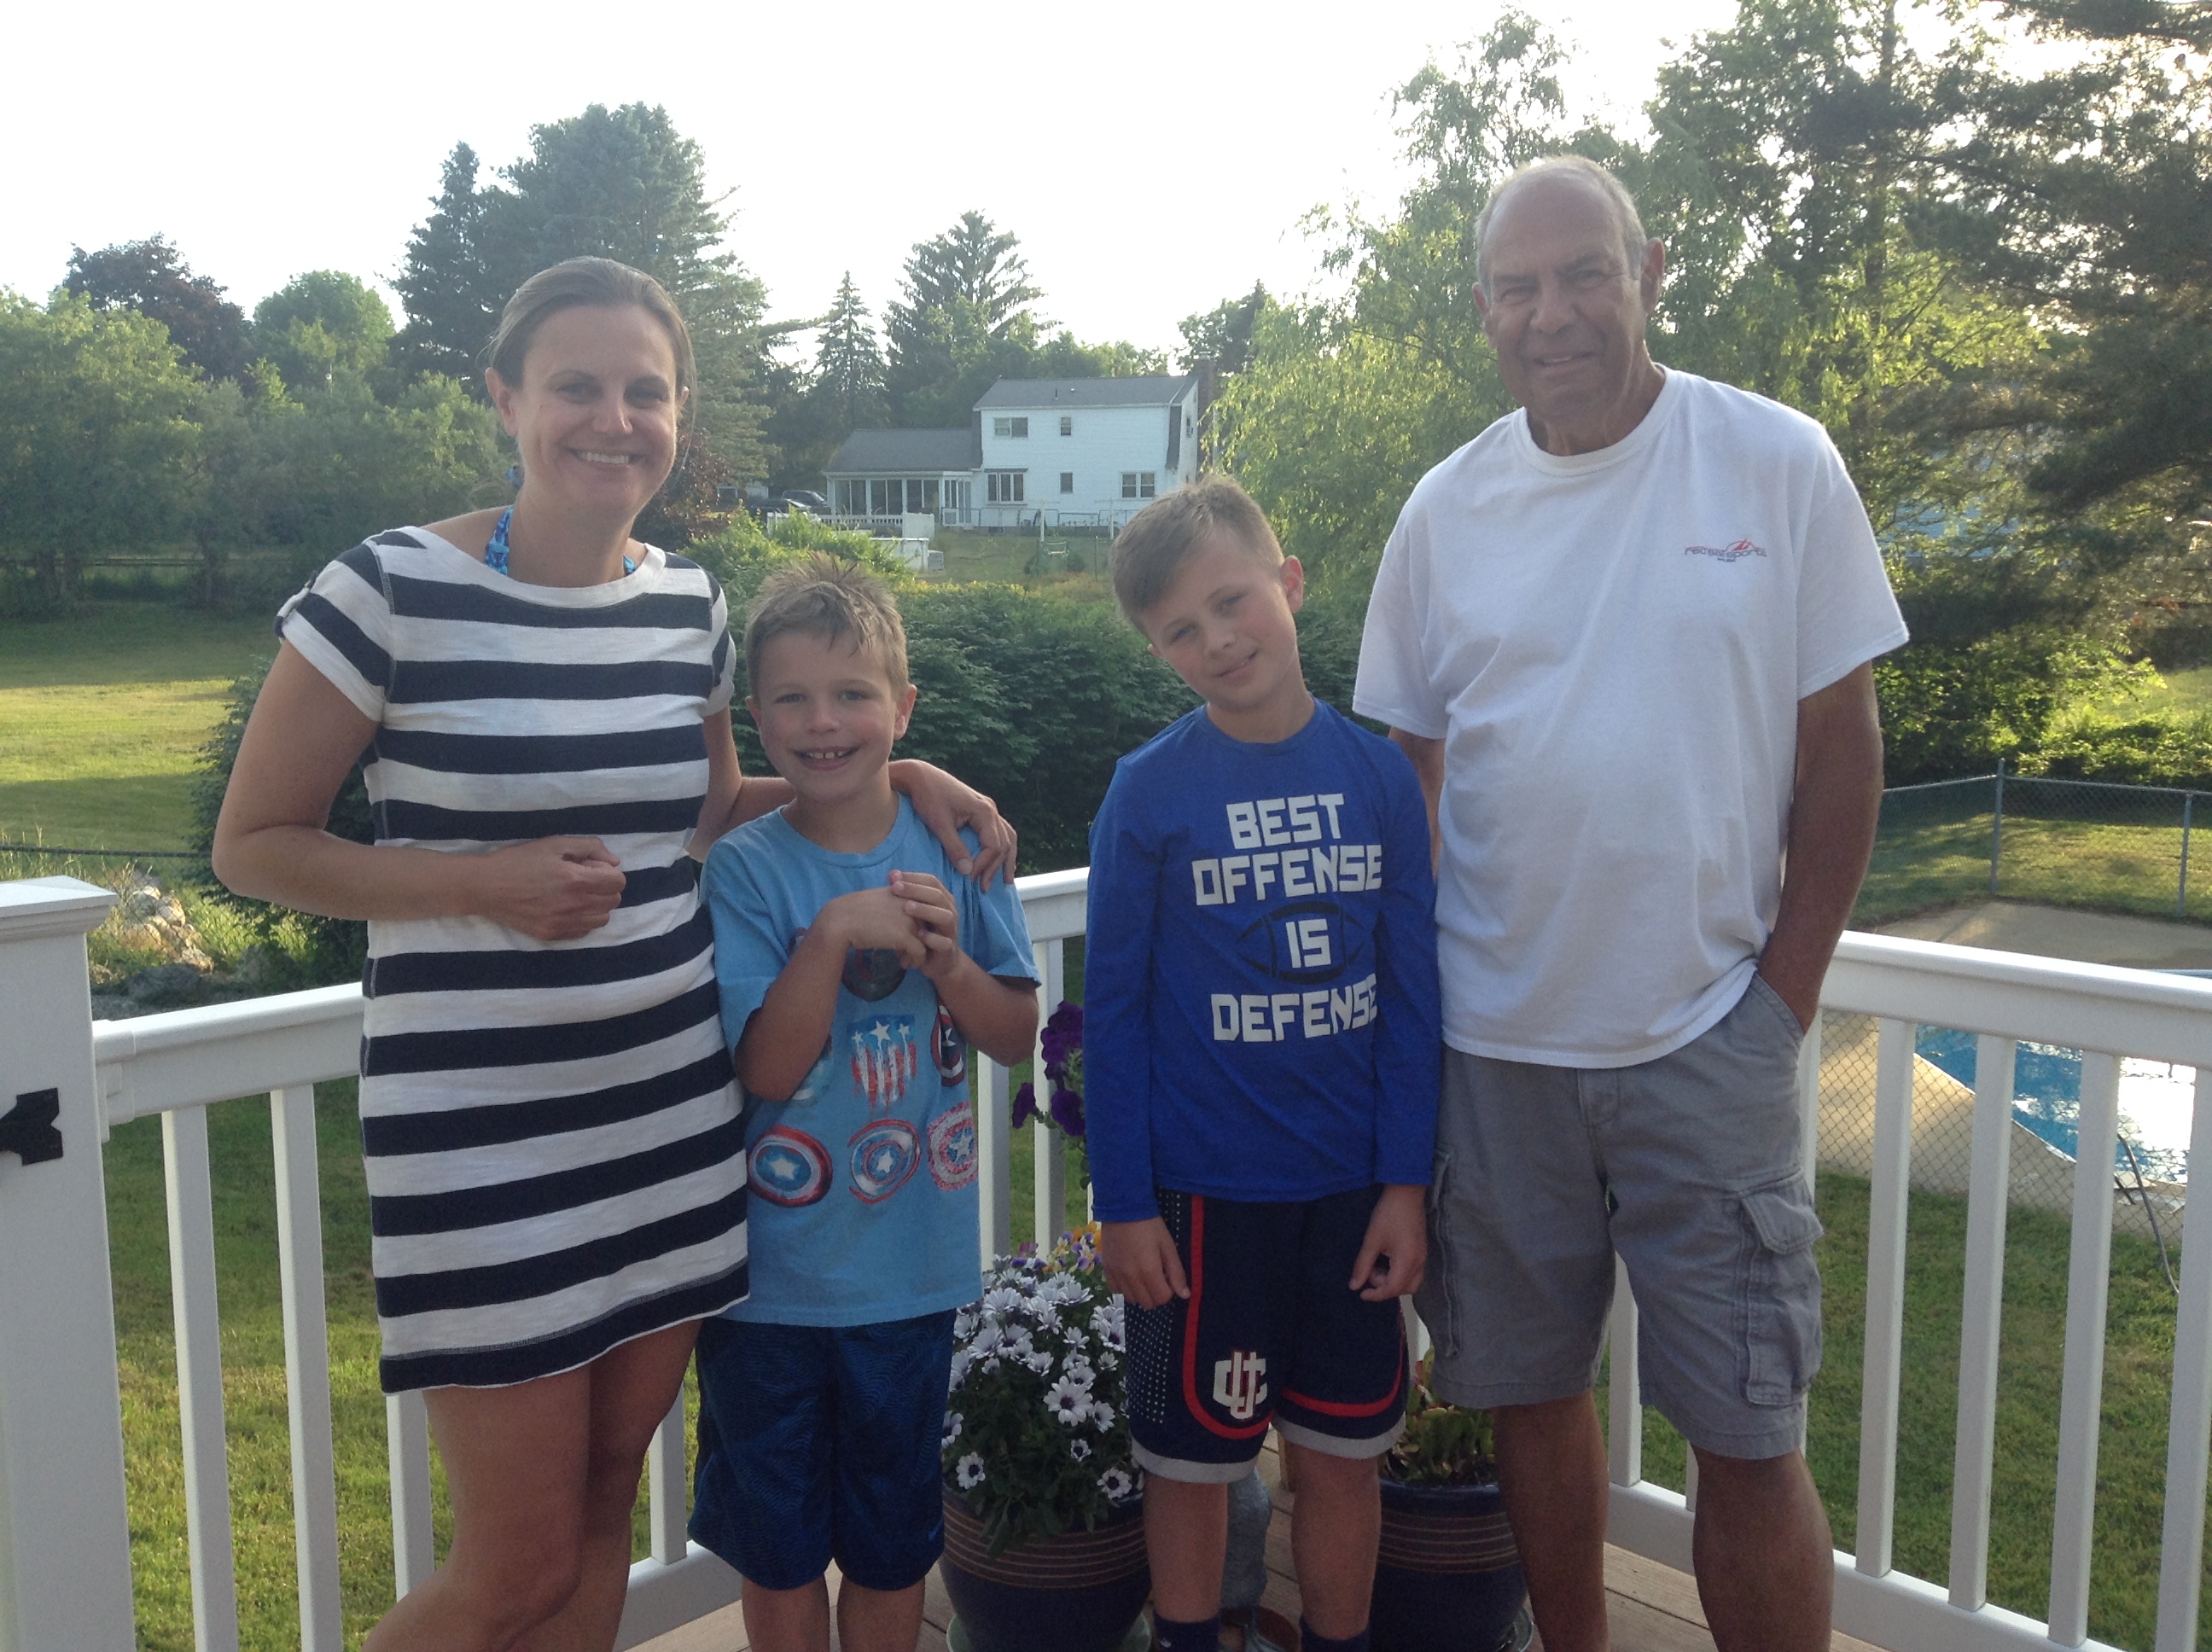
(1073, 452)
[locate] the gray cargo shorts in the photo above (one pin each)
(1686, 1166)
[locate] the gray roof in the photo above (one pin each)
(1137, 390)
(885, 452)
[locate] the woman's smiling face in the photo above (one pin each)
(595, 416)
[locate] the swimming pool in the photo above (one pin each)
(2157, 1099)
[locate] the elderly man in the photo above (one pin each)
(1626, 635)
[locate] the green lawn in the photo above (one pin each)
(102, 716)
(2131, 1451)
(2115, 866)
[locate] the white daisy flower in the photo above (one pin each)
(1017, 1345)
(1078, 1449)
(964, 1323)
(970, 1470)
(1004, 1300)
(1044, 1313)
(1102, 1415)
(1116, 1483)
(1070, 1402)
(987, 1341)
(1079, 1367)
(951, 1429)
(1040, 1362)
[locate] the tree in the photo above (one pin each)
(1223, 335)
(620, 183)
(319, 322)
(152, 277)
(453, 299)
(848, 378)
(97, 442)
(964, 318)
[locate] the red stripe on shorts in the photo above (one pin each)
(1190, 1331)
(1335, 1408)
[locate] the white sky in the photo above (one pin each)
(1154, 158)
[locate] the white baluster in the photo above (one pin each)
(2081, 1401)
(308, 1367)
(407, 1450)
(1989, 1182)
(1885, 1328)
(199, 1324)
(2189, 1435)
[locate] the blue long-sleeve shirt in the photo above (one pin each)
(1260, 1015)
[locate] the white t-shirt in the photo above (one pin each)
(1613, 647)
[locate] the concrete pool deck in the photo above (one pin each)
(2064, 933)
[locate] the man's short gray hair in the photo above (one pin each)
(1579, 168)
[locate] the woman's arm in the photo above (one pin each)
(270, 842)
(733, 796)
(946, 805)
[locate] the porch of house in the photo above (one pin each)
(65, 1524)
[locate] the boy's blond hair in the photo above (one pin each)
(822, 597)
(1160, 539)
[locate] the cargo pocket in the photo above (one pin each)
(1438, 1299)
(1779, 1293)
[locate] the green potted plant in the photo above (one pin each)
(1044, 1540)
(1447, 1576)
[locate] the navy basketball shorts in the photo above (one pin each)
(1272, 1332)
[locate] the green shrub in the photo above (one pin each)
(2131, 747)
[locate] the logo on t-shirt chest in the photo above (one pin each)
(1735, 551)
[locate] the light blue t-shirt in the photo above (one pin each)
(863, 1203)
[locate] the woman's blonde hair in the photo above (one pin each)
(597, 284)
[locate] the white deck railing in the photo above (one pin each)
(64, 1558)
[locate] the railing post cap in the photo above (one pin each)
(32, 908)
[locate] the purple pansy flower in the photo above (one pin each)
(1063, 1037)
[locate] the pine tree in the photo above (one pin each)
(850, 366)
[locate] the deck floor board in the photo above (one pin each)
(1653, 1608)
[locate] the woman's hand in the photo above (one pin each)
(947, 804)
(554, 888)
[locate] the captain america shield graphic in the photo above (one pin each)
(884, 1154)
(947, 1048)
(952, 1147)
(787, 1167)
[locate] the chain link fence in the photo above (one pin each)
(2082, 843)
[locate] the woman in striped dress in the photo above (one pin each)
(555, 1164)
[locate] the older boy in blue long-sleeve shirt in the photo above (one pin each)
(1262, 1039)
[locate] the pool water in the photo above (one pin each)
(2157, 1100)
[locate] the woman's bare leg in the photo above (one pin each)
(516, 1466)
(543, 1476)
(632, 1388)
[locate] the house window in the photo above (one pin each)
(913, 493)
(877, 505)
(1066, 425)
(1140, 484)
(1017, 428)
(1003, 487)
(1067, 482)
(929, 495)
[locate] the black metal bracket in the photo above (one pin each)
(28, 1129)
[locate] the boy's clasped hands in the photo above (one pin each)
(911, 914)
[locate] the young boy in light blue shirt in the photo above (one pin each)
(855, 965)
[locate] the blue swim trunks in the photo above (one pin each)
(820, 1443)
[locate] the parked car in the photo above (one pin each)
(805, 499)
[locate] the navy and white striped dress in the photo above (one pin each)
(556, 1163)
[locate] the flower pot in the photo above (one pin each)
(1447, 1576)
(1079, 1592)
